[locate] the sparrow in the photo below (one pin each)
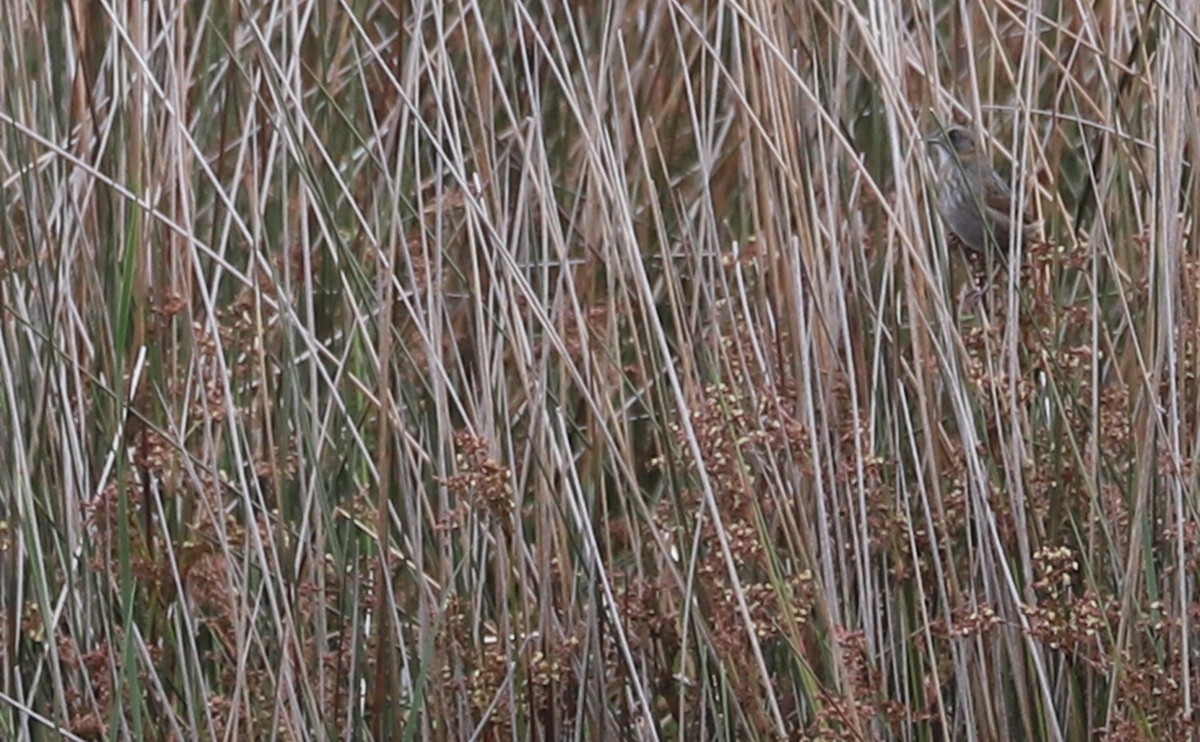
(973, 201)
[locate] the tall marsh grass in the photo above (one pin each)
(461, 370)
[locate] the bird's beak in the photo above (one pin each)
(933, 137)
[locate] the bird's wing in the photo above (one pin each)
(997, 196)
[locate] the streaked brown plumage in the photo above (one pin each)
(972, 199)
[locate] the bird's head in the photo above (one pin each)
(953, 140)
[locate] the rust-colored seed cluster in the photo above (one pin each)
(482, 478)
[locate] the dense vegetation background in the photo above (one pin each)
(523, 370)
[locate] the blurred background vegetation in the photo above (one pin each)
(456, 370)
